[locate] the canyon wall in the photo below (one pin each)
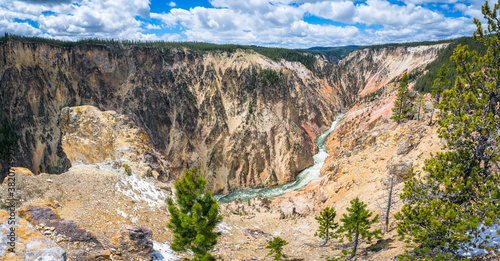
(366, 70)
(244, 119)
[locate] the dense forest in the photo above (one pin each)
(273, 53)
(424, 82)
(412, 44)
(331, 54)
(305, 56)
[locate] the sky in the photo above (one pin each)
(272, 23)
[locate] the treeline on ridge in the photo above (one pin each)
(273, 53)
(424, 82)
(412, 44)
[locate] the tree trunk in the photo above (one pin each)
(355, 244)
(432, 113)
(326, 239)
(389, 203)
(418, 112)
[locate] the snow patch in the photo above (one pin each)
(123, 214)
(162, 251)
(141, 190)
(223, 228)
(487, 234)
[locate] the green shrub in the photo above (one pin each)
(276, 247)
(128, 170)
(193, 216)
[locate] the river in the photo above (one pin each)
(303, 178)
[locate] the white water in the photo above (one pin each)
(303, 178)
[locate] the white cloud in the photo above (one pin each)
(153, 27)
(283, 22)
(88, 18)
(262, 22)
(343, 11)
(383, 13)
(472, 11)
(253, 23)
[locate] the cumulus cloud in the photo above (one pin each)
(283, 22)
(286, 23)
(153, 27)
(473, 11)
(342, 11)
(49, 2)
(384, 13)
(75, 19)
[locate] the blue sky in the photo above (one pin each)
(283, 23)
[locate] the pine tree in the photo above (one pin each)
(356, 226)
(389, 202)
(461, 187)
(419, 103)
(195, 217)
(327, 224)
(401, 103)
(438, 87)
(276, 247)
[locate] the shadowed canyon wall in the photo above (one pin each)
(246, 120)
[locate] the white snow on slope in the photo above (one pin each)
(141, 190)
(494, 241)
(163, 252)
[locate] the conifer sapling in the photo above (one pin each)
(194, 218)
(401, 103)
(356, 226)
(275, 247)
(327, 224)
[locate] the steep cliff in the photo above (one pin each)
(374, 73)
(248, 121)
(364, 71)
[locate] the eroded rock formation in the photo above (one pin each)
(217, 110)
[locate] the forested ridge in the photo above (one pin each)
(424, 82)
(308, 57)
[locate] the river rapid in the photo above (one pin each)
(303, 178)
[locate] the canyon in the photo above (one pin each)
(86, 112)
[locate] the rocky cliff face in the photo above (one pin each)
(365, 71)
(374, 73)
(246, 120)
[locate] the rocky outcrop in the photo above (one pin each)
(66, 233)
(28, 243)
(88, 206)
(398, 167)
(133, 242)
(236, 115)
(91, 136)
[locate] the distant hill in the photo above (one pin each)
(331, 54)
